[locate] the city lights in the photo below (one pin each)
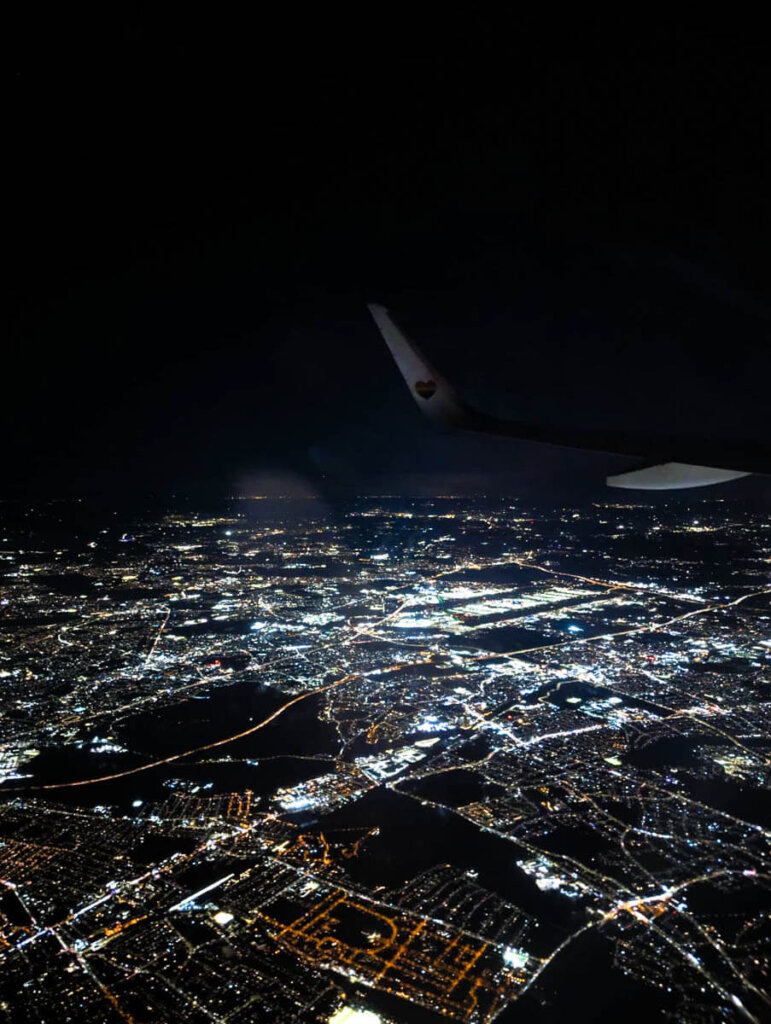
(424, 776)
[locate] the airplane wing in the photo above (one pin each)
(434, 395)
(662, 463)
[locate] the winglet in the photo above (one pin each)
(434, 395)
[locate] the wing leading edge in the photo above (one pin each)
(667, 463)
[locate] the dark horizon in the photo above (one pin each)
(189, 274)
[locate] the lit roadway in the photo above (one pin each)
(610, 885)
(354, 634)
(634, 904)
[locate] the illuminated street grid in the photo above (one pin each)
(581, 693)
(419, 960)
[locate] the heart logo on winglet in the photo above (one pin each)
(425, 388)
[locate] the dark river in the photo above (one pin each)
(284, 750)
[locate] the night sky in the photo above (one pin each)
(575, 229)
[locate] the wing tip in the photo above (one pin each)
(434, 395)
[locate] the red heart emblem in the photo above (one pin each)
(425, 388)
